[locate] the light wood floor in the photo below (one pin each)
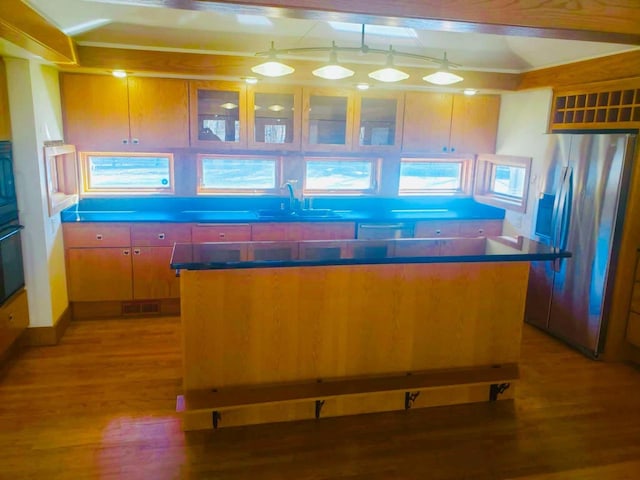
(101, 405)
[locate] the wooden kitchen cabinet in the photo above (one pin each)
(153, 277)
(633, 320)
(378, 121)
(327, 119)
(84, 235)
(14, 319)
(458, 228)
(108, 113)
(152, 245)
(218, 114)
(303, 231)
(450, 123)
(99, 274)
(220, 232)
(274, 117)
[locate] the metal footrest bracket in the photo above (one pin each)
(496, 389)
(409, 398)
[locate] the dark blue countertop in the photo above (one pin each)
(229, 255)
(269, 209)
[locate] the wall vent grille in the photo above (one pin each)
(140, 308)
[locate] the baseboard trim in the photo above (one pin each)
(42, 336)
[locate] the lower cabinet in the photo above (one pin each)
(152, 277)
(14, 319)
(99, 274)
(303, 231)
(457, 228)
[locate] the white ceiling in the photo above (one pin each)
(94, 23)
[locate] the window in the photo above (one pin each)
(238, 174)
(435, 176)
(503, 181)
(341, 175)
(130, 173)
(61, 172)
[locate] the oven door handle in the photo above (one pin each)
(12, 231)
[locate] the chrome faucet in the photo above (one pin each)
(292, 196)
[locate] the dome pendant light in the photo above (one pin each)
(389, 73)
(272, 68)
(443, 76)
(333, 70)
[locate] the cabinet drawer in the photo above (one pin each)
(220, 233)
(480, 228)
(328, 231)
(96, 235)
(437, 228)
(275, 231)
(14, 318)
(159, 234)
(633, 329)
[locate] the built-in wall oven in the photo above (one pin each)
(11, 268)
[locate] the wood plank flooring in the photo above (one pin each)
(101, 405)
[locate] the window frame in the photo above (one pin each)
(62, 176)
(87, 190)
(276, 190)
(466, 176)
(374, 185)
(486, 170)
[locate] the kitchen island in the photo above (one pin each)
(276, 331)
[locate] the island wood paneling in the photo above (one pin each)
(263, 326)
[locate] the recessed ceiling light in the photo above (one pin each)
(119, 73)
(362, 86)
(275, 108)
(229, 106)
(254, 20)
(250, 80)
(470, 91)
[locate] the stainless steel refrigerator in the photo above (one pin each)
(581, 210)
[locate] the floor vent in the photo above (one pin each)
(140, 308)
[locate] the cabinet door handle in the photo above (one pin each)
(136, 251)
(161, 236)
(453, 149)
(438, 232)
(126, 252)
(221, 235)
(444, 149)
(135, 141)
(125, 141)
(99, 236)
(481, 230)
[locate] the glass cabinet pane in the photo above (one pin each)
(378, 121)
(218, 116)
(327, 120)
(273, 117)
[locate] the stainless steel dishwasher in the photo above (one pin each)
(385, 230)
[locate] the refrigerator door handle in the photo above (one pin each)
(558, 205)
(564, 216)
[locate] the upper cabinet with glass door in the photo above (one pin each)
(218, 114)
(378, 121)
(274, 117)
(327, 119)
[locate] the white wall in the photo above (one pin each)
(34, 105)
(524, 117)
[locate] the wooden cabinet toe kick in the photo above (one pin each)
(496, 377)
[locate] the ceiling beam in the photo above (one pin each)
(588, 20)
(613, 67)
(227, 67)
(25, 28)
